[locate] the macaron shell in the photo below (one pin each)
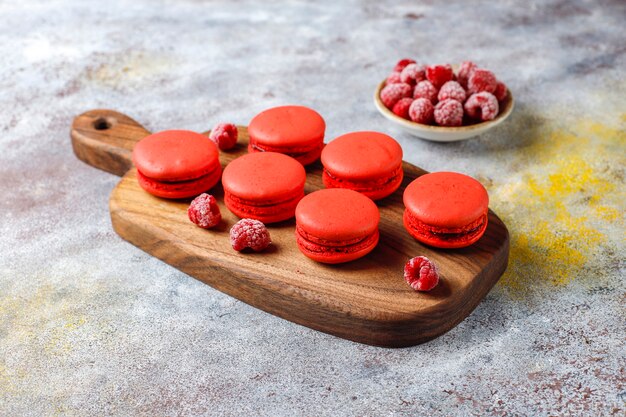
(264, 177)
(337, 214)
(287, 127)
(180, 189)
(446, 199)
(335, 254)
(266, 213)
(175, 155)
(362, 156)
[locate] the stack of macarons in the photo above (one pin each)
(177, 164)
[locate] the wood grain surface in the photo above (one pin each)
(366, 300)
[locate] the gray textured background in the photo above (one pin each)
(90, 325)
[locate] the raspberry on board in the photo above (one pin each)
(482, 106)
(421, 274)
(465, 70)
(204, 211)
(501, 91)
(392, 93)
(400, 65)
(481, 80)
(449, 113)
(393, 78)
(421, 111)
(425, 89)
(249, 233)
(401, 108)
(224, 135)
(453, 90)
(412, 74)
(439, 74)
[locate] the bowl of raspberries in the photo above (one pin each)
(442, 103)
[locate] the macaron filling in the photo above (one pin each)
(304, 155)
(469, 233)
(179, 189)
(280, 210)
(318, 246)
(365, 186)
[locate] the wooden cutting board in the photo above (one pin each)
(366, 300)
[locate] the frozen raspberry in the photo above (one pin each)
(453, 90)
(425, 89)
(401, 108)
(412, 74)
(249, 233)
(500, 92)
(481, 80)
(392, 93)
(421, 111)
(449, 113)
(421, 274)
(439, 74)
(465, 70)
(393, 78)
(224, 135)
(402, 64)
(204, 211)
(482, 106)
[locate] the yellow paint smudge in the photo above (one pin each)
(565, 205)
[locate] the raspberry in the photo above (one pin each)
(224, 135)
(439, 74)
(481, 80)
(249, 233)
(393, 78)
(392, 93)
(465, 70)
(500, 92)
(402, 64)
(425, 89)
(401, 108)
(421, 111)
(204, 211)
(449, 113)
(421, 274)
(453, 90)
(412, 74)
(482, 106)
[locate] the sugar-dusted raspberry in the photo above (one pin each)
(393, 78)
(439, 74)
(421, 274)
(392, 93)
(449, 113)
(481, 80)
(224, 135)
(249, 233)
(465, 70)
(425, 89)
(482, 106)
(500, 92)
(401, 108)
(204, 211)
(421, 111)
(402, 64)
(453, 90)
(413, 74)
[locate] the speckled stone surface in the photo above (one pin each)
(90, 325)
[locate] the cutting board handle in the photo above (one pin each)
(105, 139)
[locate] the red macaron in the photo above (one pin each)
(367, 162)
(176, 163)
(336, 225)
(446, 209)
(296, 131)
(265, 186)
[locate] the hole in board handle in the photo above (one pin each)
(102, 123)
